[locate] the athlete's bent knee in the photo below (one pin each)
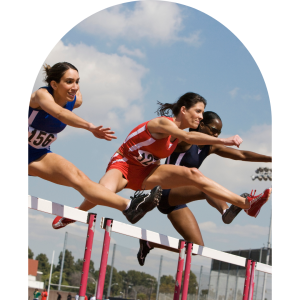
(193, 172)
(78, 179)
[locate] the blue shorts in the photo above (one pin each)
(164, 206)
(34, 154)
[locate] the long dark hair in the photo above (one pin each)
(208, 116)
(57, 71)
(188, 100)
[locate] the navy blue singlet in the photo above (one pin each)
(192, 158)
(43, 129)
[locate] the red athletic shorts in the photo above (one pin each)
(134, 174)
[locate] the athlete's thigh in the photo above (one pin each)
(113, 180)
(186, 225)
(55, 168)
(185, 194)
(171, 176)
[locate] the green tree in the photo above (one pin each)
(193, 284)
(69, 265)
(141, 278)
(55, 279)
(141, 281)
(116, 278)
(142, 296)
(92, 274)
(44, 265)
(167, 284)
(79, 263)
(30, 253)
(204, 293)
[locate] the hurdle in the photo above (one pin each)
(73, 214)
(110, 225)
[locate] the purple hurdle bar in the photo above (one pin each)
(189, 247)
(179, 270)
(87, 255)
(104, 257)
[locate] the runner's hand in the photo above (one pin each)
(103, 133)
(233, 141)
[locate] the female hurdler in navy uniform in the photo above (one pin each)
(173, 201)
(50, 110)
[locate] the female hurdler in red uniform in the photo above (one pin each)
(173, 201)
(135, 164)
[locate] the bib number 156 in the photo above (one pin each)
(40, 139)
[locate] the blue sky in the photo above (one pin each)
(126, 63)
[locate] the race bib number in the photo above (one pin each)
(40, 139)
(146, 158)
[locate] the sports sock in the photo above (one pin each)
(224, 211)
(128, 205)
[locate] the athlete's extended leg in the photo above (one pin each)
(186, 225)
(186, 194)
(112, 180)
(170, 176)
(55, 168)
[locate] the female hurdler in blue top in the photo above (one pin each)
(173, 201)
(50, 110)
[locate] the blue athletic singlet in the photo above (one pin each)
(43, 129)
(192, 158)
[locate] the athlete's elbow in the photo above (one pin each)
(186, 137)
(60, 115)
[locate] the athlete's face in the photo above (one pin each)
(194, 115)
(213, 128)
(68, 85)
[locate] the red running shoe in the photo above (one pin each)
(60, 222)
(256, 202)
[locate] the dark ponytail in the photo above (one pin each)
(57, 71)
(188, 100)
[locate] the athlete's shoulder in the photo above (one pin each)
(43, 91)
(163, 120)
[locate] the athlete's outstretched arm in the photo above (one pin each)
(240, 154)
(43, 99)
(165, 126)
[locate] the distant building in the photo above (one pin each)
(34, 276)
(226, 280)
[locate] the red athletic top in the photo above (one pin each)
(142, 149)
(44, 295)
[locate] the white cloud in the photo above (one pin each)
(109, 83)
(154, 20)
(234, 174)
(251, 231)
(136, 52)
(252, 97)
(233, 92)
